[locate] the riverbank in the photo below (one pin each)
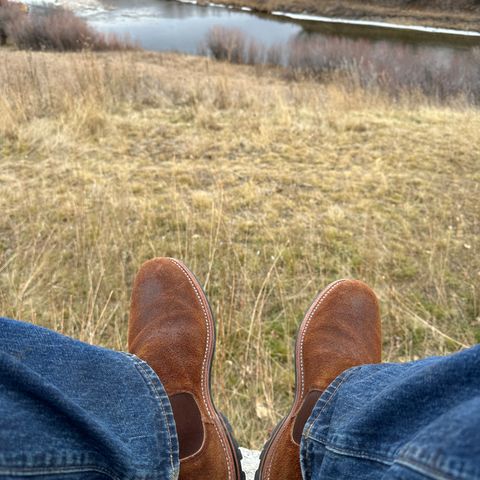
(464, 16)
(269, 189)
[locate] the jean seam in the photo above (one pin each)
(151, 379)
(417, 467)
(54, 470)
(353, 453)
(426, 470)
(415, 457)
(307, 456)
(337, 383)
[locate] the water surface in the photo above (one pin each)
(168, 25)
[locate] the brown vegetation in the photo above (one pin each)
(391, 68)
(52, 29)
(10, 14)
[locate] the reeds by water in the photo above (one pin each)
(391, 68)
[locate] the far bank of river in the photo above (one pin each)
(464, 15)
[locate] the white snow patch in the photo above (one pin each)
(82, 7)
(367, 23)
(250, 462)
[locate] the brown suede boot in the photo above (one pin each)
(172, 329)
(340, 330)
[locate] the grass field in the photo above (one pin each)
(268, 189)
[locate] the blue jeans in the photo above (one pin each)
(74, 411)
(411, 421)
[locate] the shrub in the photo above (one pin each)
(57, 29)
(392, 68)
(275, 54)
(255, 53)
(11, 14)
(227, 45)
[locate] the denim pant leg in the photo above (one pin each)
(412, 421)
(75, 411)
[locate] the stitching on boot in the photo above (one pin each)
(319, 300)
(205, 357)
(312, 313)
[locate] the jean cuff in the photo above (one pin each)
(160, 395)
(320, 417)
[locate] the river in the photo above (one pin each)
(169, 25)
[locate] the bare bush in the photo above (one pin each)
(55, 29)
(227, 44)
(275, 55)
(255, 53)
(11, 13)
(392, 68)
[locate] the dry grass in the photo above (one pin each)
(269, 190)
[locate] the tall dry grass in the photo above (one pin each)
(268, 189)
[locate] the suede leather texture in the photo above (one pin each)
(340, 330)
(209, 463)
(172, 329)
